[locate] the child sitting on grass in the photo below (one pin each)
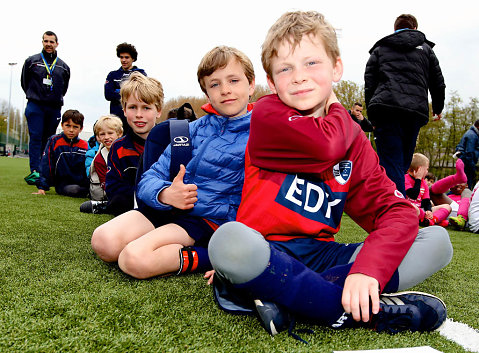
(306, 162)
(142, 100)
(207, 189)
(417, 192)
(107, 129)
(63, 161)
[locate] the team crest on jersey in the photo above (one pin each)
(342, 171)
(314, 200)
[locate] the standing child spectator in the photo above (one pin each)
(128, 55)
(63, 161)
(417, 192)
(306, 162)
(107, 129)
(208, 189)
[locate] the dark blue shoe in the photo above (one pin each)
(413, 311)
(273, 318)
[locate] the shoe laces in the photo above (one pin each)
(394, 319)
(294, 333)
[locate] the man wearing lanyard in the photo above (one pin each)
(44, 80)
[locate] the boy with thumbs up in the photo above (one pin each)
(205, 194)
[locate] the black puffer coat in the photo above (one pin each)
(401, 69)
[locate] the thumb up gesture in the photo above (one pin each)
(178, 194)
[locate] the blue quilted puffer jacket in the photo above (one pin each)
(216, 168)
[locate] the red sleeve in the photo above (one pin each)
(374, 203)
(283, 140)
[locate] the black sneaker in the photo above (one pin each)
(95, 207)
(273, 318)
(413, 311)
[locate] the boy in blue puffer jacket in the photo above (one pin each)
(206, 192)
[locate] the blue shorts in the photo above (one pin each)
(317, 255)
(197, 228)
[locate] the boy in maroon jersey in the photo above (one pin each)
(306, 163)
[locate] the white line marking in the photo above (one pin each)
(460, 333)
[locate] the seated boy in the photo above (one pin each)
(63, 161)
(142, 100)
(306, 162)
(107, 129)
(208, 189)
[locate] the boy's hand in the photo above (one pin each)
(420, 172)
(178, 194)
(39, 192)
(209, 275)
(360, 290)
(429, 215)
(332, 99)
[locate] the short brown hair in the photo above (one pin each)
(405, 21)
(218, 58)
(110, 121)
(418, 160)
(292, 27)
(147, 89)
(74, 115)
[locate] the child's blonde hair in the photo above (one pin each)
(147, 90)
(218, 58)
(292, 27)
(110, 121)
(418, 160)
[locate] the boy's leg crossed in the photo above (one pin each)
(155, 253)
(110, 238)
(243, 257)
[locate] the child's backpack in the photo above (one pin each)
(174, 131)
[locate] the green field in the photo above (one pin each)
(56, 295)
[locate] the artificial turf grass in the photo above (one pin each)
(56, 295)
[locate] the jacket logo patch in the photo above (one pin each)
(342, 171)
(312, 200)
(181, 141)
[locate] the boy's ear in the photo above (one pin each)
(251, 88)
(271, 85)
(338, 70)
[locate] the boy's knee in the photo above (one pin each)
(132, 262)
(439, 242)
(238, 253)
(102, 243)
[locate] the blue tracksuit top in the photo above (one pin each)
(216, 168)
(63, 162)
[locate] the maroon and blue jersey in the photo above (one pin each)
(303, 172)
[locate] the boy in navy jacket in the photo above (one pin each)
(63, 161)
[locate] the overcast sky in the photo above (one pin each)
(172, 36)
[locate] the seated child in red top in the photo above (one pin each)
(306, 162)
(417, 192)
(108, 128)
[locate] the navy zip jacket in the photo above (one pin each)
(112, 88)
(63, 162)
(401, 69)
(123, 161)
(33, 73)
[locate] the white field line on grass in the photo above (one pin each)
(460, 333)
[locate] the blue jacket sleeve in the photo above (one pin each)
(89, 157)
(154, 180)
(46, 162)
(111, 93)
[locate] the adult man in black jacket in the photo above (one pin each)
(400, 71)
(44, 80)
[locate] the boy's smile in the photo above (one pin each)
(141, 116)
(107, 137)
(303, 78)
(228, 89)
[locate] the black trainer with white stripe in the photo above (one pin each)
(413, 311)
